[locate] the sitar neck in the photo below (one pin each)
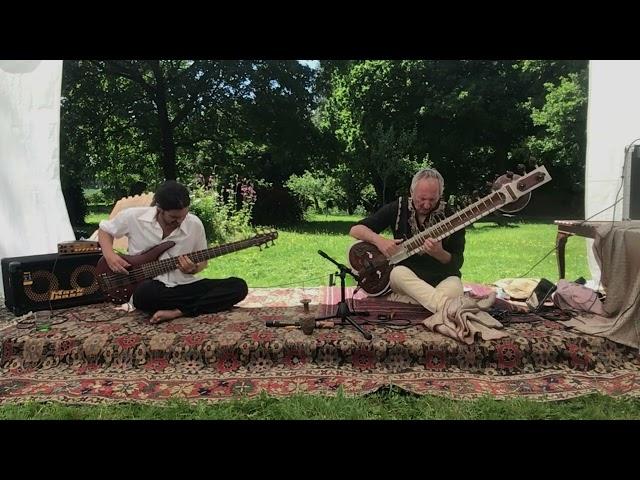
(508, 193)
(457, 221)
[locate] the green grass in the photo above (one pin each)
(294, 259)
(385, 404)
(93, 219)
(492, 252)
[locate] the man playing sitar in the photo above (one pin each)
(432, 276)
(425, 268)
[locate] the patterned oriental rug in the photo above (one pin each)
(95, 354)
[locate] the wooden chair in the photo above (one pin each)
(143, 200)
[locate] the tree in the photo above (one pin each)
(276, 112)
(366, 111)
(563, 119)
(472, 118)
(135, 120)
(315, 189)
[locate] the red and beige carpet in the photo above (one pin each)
(95, 354)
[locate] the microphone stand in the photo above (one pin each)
(343, 312)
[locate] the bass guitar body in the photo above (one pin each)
(119, 287)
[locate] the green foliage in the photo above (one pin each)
(362, 122)
(364, 111)
(149, 120)
(387, 403)
(276, 206)
(391, 158)
(225, 211)
(275, 114)
(95, 197)
(563, 119)
(367, 201)
(472, 119)
(315, 190)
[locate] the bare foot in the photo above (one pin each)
(165, 315)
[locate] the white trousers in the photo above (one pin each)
(407, 287)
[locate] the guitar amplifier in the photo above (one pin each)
(52, 281)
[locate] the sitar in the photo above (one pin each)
(118, 287)
(374, 269)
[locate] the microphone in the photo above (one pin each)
(342, 267)
(322, 254)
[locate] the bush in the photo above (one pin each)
(276, 206)
(316, 190)
(95, 198)
(225, 212)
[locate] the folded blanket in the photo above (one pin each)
(463, 317)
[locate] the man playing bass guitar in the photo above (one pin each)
(178, 292)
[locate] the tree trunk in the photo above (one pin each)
(501, 160)
(168, 159)
(378, 186)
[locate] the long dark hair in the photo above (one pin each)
(171, 196)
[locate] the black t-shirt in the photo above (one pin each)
(425, 266)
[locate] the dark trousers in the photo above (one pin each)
(203, 296)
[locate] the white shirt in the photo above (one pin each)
(140, 226)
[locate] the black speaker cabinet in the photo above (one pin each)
(43, 282)
(634, 184)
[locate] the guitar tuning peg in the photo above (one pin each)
(509, 174)
(522, 169)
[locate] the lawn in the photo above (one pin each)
(491, 253)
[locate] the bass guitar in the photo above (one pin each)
(119, 287)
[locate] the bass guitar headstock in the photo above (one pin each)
(263, 238)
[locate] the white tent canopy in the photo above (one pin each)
(33, 216)
(613, 124)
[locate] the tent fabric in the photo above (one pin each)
(612, 125)
(33, 217)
